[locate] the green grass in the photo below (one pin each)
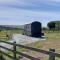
(4, 38)
(52, 41)
(3, 33)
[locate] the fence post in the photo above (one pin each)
(14, 53)
(51, 56)
(1, 56)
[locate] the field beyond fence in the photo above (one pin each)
(51, 52)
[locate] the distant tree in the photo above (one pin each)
(54, 25)
(57, 25)
(51, 25)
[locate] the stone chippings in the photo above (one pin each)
(20, 39)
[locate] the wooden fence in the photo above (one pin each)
(52, 54)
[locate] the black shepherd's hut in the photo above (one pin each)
(33, 29)
(36, 29)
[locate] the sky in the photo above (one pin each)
(20, 12)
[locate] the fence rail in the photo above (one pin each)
(52, 54)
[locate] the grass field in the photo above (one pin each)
(52, 41)
(4, 33)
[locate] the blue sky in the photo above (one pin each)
(20, 12)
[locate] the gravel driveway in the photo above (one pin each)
(21, 39)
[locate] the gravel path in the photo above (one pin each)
(20, 39)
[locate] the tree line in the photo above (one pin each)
(53, 25)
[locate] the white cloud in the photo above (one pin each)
(16, 16)
(7, 1)
(57, 1)
(29, 1)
